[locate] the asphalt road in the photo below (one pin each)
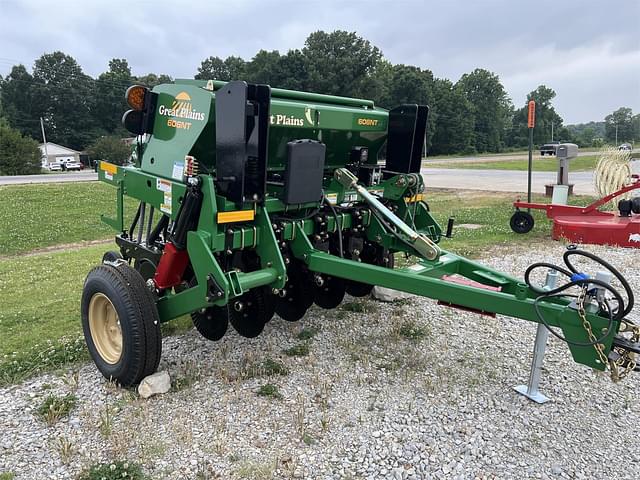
(50, 178)
(502, 180)
(494, 158)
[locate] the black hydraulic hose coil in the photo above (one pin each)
(614, 314)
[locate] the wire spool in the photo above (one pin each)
(613, 171)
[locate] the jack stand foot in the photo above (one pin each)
(535, 396)
(542, 334)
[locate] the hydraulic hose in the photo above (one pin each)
(580, 280)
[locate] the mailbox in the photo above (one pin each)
(564, 153)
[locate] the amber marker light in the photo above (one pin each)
(135, 96)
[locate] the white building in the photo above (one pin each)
(55, 153)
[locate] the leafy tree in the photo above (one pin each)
(264, 67)
(292, 71)
(491, 108)
(339, 62)
(110, 149)
(19, 155)
(545, 116)
(151, 79)
(67, 98)
(622, 119)
(110, 103)
(453, 118)
(408, 84)
(214, 68)
(21, 109)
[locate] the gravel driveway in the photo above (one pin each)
(404, 390)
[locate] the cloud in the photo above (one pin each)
(587, 51)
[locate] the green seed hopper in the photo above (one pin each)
(255, 201)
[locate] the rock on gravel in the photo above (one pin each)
(155, 384)
(367, 402)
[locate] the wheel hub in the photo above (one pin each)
(105, 328)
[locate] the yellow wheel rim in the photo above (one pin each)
(104, 325)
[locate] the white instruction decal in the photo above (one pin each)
(166, 205)
(178, 170)
(163, 185)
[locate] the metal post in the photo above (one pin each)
(531, 123)
(542, 334)
(530, 164)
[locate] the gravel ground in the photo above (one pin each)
(367, 402)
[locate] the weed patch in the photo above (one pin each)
(54, 408)
(269, 390)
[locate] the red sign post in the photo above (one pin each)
(531, 122)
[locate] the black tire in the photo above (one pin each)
(521, 222)
(137, 318)
(111, 256)
(212, 322)
(635, 205)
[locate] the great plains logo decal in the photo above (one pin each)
(291, 120)
(181, 108)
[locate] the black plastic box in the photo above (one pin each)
(304, 171)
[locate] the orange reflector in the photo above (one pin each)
(135, 96)
(531, 117)
(236, 216)
(416, 198)
(108, 167)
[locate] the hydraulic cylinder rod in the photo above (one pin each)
(427, 248)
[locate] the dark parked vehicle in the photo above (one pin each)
(549, 148)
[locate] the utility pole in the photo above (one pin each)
(552, 131)
(616, 134)
(44, 139)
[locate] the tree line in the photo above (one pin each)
(472, 115)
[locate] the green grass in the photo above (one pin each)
(490, 211)
(113, 471)
(40, 294)
(269, 390)
(298, 350)
(54, 408)
(41, 215)
(540, 164)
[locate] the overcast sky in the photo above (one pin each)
(587, 51)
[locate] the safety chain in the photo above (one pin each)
(625, 362)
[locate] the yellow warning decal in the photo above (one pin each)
(108, 167)
(416, 198)
(236, 216)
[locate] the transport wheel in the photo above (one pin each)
(635, 205)
(521, 222)
(248, 313)
(330, 293)
(121, 324)
(211, 322)
(299, 294)
(111, 256)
